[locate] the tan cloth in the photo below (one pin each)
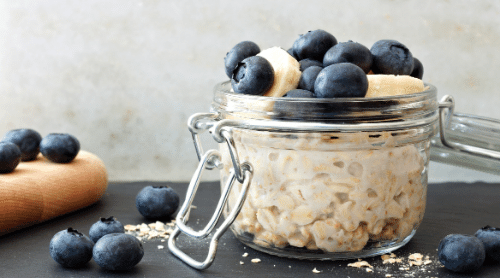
(40, 190)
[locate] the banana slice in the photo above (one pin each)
(380, 85)
(286, 71)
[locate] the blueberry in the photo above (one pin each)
(71, 248)
(461, 253)
(308, 78)
(341, 80)
(118, 251)
(28, 141)
(238, 53)
(391, 57)
(349, 52)
(313, 45)
(253, 76)
(60, 147)
(105, 226)
(306, 63)
(418, 69)
(10, 156)
(490, 237)
(157, 202)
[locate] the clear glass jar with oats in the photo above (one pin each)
(332, 178)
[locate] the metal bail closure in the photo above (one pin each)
(183, 214)
(447, 103)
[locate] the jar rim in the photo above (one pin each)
(225, 87)
(328, 110)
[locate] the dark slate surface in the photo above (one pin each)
(451, 208)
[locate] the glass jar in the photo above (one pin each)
(328, 179)
(353, 190)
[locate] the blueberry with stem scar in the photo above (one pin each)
(391, 57)
(105, 226)
(253, 76)
(71, 248)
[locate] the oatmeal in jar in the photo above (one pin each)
(317, 193)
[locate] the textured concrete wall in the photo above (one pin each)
(124, 76)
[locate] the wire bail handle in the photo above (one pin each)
(209, 160)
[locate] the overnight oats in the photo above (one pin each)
(324, 149)
(356, 185)
(336, 194)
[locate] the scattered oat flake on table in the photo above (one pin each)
(385, 257)
(388, 275)
(159, 226)
(360, 264)
(369, 270)
(144, 228)
(417, 263)
(245, 255)
(130, 227)
(153, 234)
(161, 246)
(256, 260)
(316, 271)
(390, 261)
(416, 257)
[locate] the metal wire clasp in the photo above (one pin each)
(212, 158)
(199, 123)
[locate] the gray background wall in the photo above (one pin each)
(124, 76)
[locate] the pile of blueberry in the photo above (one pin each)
(25, 144)
(329, 69)
(467, 253)
(108, 244)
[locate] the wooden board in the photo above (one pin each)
(40, 190)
